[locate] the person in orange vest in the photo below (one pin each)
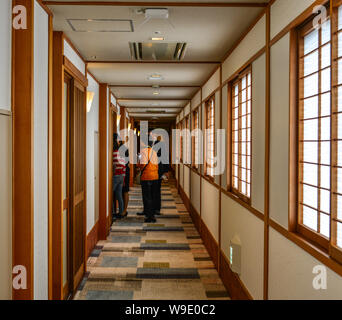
(148, 165)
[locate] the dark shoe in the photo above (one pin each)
(140, 214)
(150, 220)
(124, 215)
(157, 213)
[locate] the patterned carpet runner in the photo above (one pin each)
(162, 261)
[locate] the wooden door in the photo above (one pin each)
(97, 174)
(77, 182)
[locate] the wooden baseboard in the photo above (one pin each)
(210, 243)
(232, 281)
(92, 238)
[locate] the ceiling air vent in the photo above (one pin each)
(156, 111)
(157, 51)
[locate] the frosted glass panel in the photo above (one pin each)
(310, 196)
(310, 174)
(326, 55)
(339, 207)
(339, 153)
(339, 235)
(311, 63)
(325, 201)
(311, 42)
(325, 80)
(325, 105)
(339, 71)
(311, 152)
(325, 177)
(325, 129)
(339, 181)
(340, 18)
(311, 108)
(311, 85)
(310, 218)
(311, 129)
(325, 153)
(325, 225)
(326, 32)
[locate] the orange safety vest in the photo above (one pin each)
(151, 171)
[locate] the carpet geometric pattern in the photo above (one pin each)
(162, 261)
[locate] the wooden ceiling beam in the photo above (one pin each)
(155, 61)
(145, 99)
(158, 4)
(149, 86)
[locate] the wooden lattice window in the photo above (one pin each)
(187, 141)
(241, 115)
(195, 151)
(319, 209)
(210, 137)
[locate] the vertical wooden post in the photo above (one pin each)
(23, 133)
(57, 166)
(103, 114)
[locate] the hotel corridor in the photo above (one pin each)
(162, 261)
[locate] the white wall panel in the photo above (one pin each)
(92, 127)
(6, 207)
(250, 45)
(291, 273)
(181, 175)
(196, 100)
(238, 221)
(41, 77)
(279, 131)
(284, 12)
(212, 84)
(187, 181)
(71, 54)
(210, 207)
(5, 54)
(258, 132)
(196, 191)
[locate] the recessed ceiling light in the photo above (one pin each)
(158, 39)
(155, 93)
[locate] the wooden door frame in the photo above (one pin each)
(60, 65)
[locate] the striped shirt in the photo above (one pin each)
(118, 164)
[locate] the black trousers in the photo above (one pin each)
(149, 192)
(158, 196)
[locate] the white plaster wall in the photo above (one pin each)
(196, 191)
(70, 53)
(210, 207)
(5, 206)
(252, 43)
(258, 132)
(211, 85)
(5, 54)
(284, 12)
(41, 77)
(187, 181)
(279, 131)
(196, 100)
(187, 109)
(92, 127)
(291, 273)
(238, 221)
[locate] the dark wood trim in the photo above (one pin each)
(72, 69)
(57, 166)
(153, 99)
(232, 281)
(149, 86)
(103, 114)
(212, 92)
(267, 151)
(46, 8)
(154, 62)
(92, 239)
(158, 4)
(23, 162)
(97, 81)
(210, 243)
(220, 177)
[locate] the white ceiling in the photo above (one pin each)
(208, 31)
